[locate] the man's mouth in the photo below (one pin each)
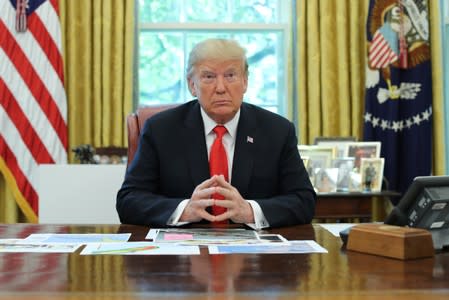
(221, 101)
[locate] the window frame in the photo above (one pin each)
(283, 26)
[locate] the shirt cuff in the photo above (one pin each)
(174, 218)
(259, 217)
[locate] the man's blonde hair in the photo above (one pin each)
(216, 49)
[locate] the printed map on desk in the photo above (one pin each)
(78, 238)
(280, 248)
(203, 236)
(139, 248)
(21, 246)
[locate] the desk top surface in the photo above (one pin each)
(370, 194)
(339, 274)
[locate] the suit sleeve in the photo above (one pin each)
(139, 200)
(294, 202)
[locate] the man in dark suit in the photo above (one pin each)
(169, 182)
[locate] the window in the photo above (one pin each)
(169, 28)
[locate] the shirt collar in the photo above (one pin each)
(210, 124)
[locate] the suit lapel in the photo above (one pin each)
(242, 166)
(194, 136)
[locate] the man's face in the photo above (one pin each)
(219, 87)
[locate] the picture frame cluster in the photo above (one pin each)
(343, 165)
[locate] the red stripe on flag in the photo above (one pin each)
(26, 130)
(382, 55)
(384, 59)
(55, 5)
(48, 45)
(21, 180)
(36, 86)
(378, 48)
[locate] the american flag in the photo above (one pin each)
(383, 48)
(33, 110)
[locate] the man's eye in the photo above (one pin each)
(230, 76)
(208, 75)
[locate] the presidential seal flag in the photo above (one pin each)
(398, 99)
(33, 109)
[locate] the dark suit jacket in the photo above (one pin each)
(171, 160)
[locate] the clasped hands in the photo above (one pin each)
(238, 210)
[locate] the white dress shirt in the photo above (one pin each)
(229, 145)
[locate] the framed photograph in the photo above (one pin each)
(355, 182)
(362, 149)
(345, 166)
(372, 172)
(320, 139)
(318, 156)
(326, 180)
(338, 142)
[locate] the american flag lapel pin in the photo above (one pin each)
(249, 139)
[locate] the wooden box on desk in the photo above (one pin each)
(391, 241)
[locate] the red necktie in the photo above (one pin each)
(218, 164)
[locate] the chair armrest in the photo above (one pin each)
(133, 135)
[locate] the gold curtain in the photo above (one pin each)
(331, 65)
(98, 38)
(98, 55)
(439, 159)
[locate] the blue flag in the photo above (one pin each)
(398, 100)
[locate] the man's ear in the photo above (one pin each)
(245, 84)
(191, 84)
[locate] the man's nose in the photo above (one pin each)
(220, 88)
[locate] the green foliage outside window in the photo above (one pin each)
(164, 43)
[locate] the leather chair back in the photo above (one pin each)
(135, 122)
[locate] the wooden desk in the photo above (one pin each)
(349, 205)
(338, 274)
